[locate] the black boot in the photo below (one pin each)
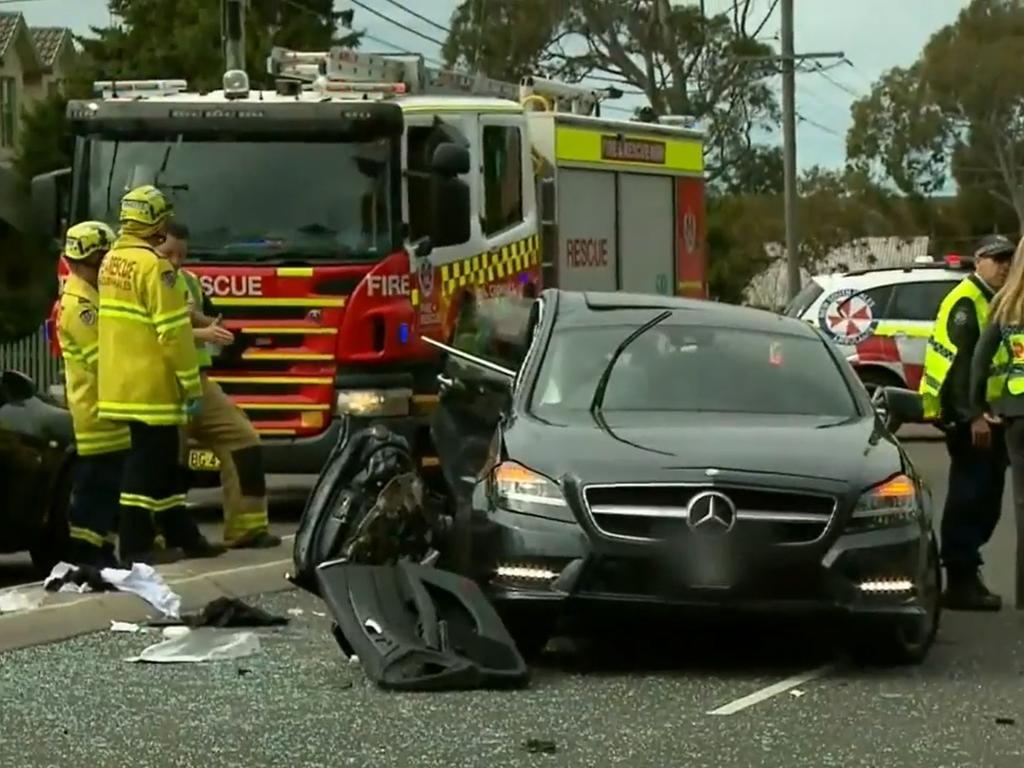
(969, 593)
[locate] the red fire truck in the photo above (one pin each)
(341, 216)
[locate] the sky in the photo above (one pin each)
(874, 35)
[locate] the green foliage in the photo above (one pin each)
(959, 109)
(45, 143)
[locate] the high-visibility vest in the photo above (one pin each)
(1013, 345)
(147, 355)
(194, 297)
(941, 351)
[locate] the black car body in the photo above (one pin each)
(36, 463)
(736, 462)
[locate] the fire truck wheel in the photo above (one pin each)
(875, 378)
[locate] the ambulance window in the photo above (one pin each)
(919, 301)
(879, 299)
(503, 178)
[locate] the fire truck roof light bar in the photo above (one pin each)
(343, 64)
(139, 87)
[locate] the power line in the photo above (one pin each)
(410, 30)
(817, 125)
(419, 16)
(841, 86)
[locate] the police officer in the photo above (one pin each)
(102, 445)
(148, 375)
(221, 425)
(977, 452)
(1005, 334)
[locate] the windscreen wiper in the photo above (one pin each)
(606, 374)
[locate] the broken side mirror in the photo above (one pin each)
(897, 406)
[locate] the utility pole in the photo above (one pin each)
(789, 150)
(789, 59)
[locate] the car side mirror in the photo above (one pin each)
(49, 192)
(17, 386)
(897, 406)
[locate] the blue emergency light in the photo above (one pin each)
(403, 333)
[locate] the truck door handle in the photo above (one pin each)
(444, 381)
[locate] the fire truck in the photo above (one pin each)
(341, 217)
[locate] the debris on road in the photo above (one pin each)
(541, 747)
(142, 580)
(1006, 721)
(231, 612)
(125, 626)
(205, 644)
(12, 601)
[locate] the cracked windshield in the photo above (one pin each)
(467, 383)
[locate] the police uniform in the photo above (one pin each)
(222, 427)
(148, 372)
(102, 445)
(976, 475)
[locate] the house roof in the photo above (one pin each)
(8, 29)
(48, 42)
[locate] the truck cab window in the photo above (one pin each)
(503, 178)
(422, 140)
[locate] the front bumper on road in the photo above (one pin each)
(531, 563)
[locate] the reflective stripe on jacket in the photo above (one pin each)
(1013, 345)
(77, 330)
(941, 351)
(148, 365)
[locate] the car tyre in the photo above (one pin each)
(902, 643)
(876, 378)
(51, 546)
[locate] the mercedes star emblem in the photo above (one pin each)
(711, 512)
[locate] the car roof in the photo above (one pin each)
(590, 308)
(893, 276)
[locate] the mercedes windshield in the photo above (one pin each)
(248, 198)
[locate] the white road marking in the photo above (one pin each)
(772, 690)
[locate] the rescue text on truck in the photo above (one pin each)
(298, 205)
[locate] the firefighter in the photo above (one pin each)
(222, 426)
(1005, 333)
(101, 445)
(977, 451)
(148, 377)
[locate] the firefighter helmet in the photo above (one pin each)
(87, 238)
(145, 208)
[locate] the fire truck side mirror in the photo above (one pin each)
(450, 160)
(450, 211)
(49, 201)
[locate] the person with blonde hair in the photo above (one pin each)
(977, 452)
(1005, 335)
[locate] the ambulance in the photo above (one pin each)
(340, 217)
(881, 318)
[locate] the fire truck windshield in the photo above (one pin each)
(251, 200)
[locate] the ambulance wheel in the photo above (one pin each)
(51, 544)
(876, 378)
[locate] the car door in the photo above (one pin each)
(473, 399)
(911, 318)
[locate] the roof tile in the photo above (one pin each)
(48, 41)
(8, 28)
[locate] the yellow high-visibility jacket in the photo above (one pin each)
(78, 333)
(147, 363)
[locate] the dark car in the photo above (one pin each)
(36, 461)
(615, 452)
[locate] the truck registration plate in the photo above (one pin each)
(203, 461)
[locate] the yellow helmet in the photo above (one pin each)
(86, 239)
(144, 208)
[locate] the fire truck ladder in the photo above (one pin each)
(342, 70)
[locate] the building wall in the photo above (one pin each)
(12, 68)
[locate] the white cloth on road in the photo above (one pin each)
(141, 580)
(14, 600)
(201, 645)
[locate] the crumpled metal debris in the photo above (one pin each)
(398, 525)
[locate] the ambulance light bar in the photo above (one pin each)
(335, 85)
(138, 87)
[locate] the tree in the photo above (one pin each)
(45, 143)
(958, 110)
(681, 60)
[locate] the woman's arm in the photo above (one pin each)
(981, 362)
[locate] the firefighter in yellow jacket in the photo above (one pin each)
(101, 445)
(148, 375)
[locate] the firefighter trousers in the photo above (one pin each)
(151, 495)
(223, 428)
(92, 513)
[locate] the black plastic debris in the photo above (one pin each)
(541, 747)
(226, 612)
(81, 575)
(416, 628)
(1006, 721)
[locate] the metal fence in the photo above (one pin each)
(32, 357)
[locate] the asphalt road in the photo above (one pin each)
(757, 695)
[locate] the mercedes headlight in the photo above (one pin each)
(518, 489)
(893, 502)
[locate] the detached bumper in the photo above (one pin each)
(524, 561)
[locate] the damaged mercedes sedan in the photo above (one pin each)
(665, 454)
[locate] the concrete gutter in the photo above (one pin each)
(62, 616)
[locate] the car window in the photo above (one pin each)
(693, 368)
(879, 298)
(496, 329)
(807, 296)
(919, 301)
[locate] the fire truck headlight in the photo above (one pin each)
(374, 402)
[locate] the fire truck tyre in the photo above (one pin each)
(874, 378)
(51, 545)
